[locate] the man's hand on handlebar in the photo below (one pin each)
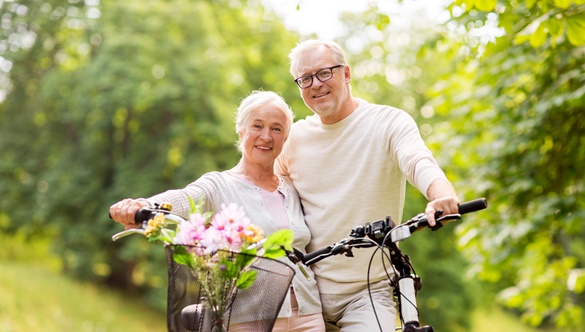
(441, 206)
(124, 212)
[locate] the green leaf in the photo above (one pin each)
(277, 242)
(538, 37)
(229, 269)
(576, 29)
(245, 258)
(382, 21)
(469, 4)
(564, 4)
(577, 281)
(181, 256)
(486, 5)
(246, 279)
(555, 28)
(530, 3)
(193, 206)
(520, 38)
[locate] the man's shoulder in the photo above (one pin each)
(309, 120)
(379, 107)
(304, 125)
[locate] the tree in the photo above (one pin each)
(515, 98)
(124, 99)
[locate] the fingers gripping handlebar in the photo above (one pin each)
(142, 217)
(420, 221)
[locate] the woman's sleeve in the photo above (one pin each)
(199, 190)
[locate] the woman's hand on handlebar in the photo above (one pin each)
(445, 205)
(124, 212)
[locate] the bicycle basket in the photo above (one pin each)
(256, 308)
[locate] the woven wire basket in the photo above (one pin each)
(253, 309)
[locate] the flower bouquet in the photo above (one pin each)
(219, 250)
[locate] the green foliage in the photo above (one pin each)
(515, 112)
(121, 99)
(277, 242)
(127, 98)
(551, 19)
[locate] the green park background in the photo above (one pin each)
(104, 99)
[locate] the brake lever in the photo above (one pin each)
(438, 221)
(297, 257)
(127, 232)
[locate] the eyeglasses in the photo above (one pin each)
(322, 75)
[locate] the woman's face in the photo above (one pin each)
(264, 135)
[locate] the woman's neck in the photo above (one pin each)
(260, 176)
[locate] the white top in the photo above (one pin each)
(350, 173)
(274, 203)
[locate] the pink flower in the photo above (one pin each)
(192, 231)
(231, 216)
(212, 240)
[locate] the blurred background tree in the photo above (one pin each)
(106, 100)
(122, 99)
(515, 94)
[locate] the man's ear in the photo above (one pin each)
(347, 74)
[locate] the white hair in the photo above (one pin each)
(336, 51)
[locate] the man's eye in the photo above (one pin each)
(323, 73)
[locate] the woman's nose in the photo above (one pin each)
(265, 135)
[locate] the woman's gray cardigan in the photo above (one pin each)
(216, 188)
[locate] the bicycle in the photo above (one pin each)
(385, 234)
(257, 307)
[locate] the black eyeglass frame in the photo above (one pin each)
(297, 80)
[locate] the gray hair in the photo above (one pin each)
(257, 99)
(336, 51)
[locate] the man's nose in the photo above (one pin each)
(316, 82)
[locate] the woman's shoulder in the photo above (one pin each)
(215, 179)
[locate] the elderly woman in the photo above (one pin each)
(263, 122)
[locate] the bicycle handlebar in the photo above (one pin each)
(376, 233)
(472, 206)
(420, 221)
(142, 217)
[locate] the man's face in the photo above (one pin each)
(323, 98)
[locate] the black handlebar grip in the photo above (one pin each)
(472, 206)
(142, 215)
(308, 258)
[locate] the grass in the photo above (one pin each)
(35, 298)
